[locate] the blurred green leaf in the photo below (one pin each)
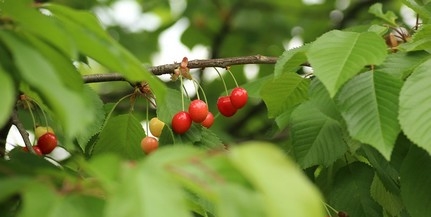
(69, 106)
(122, 135)
(337, 56)
(7, 95)
(285, 190)
(389, 16)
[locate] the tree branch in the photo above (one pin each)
(22, 131)
(192, 64)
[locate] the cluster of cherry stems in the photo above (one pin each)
(197, 112)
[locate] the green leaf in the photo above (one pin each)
(402, 64)
(12, 185)
(121, 135)
(146, 191)
(93, 41)
(291, 60)
(7, 96)
(70, 108)
(321, 99)
(369, 105)
(351, 191)
(419, 41)
(316, 137)
(337, 56)
(236, 200)
(32, 203)
(286, 191)
(414, 116)
(284, 92)
(389, 16)
(92, 129)
(45, 27)
(390, 202)
(209, 140)
(80, 205)
(415, 179)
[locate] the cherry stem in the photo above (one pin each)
(224, 83)
(182, 95)
(31, 113)
(236, 83)
(148, 123)
(202, 90)
(327, 205)
(196, 85)
(113, 108)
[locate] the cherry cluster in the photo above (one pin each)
(198, 112)
(228, 105)
(46, 140)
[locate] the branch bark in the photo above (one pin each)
(22, 131)
(192, 64)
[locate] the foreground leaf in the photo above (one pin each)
(286, 191)
(337, 56)
(7, 96)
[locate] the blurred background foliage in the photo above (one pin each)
(162, 32)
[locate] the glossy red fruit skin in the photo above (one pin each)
(181, 122)
(47, 142)
(35, 148)
(209, 120)
(149, 144)
(238, 97)
(225, 106)
(198, 110)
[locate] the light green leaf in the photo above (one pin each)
(45, 27)
(80, 205)
(402, 64)
(7, 96)
(33, 205)
(390, 202)
(369, 105)
(291, 60)
(419, 41)
(93, 41)
(415, 179)
(415, 119)
(74, 112)
(389, 16)
(337, 56)
(316, 137)
(351, 191)
(286, 191)
(236, 200)
(146, 191)
(121, 135)
(284, 92)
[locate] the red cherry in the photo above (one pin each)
(47, 142)
(209, 120)
(225, 106)
(238, 97)
(35, 148)
(198, 110)
(149, 144)
(181, 122)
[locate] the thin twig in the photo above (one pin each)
(22, 131)
(193, 64)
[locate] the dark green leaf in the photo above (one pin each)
(7, 96)
(390, 202)
(351, 191)
(415, 179)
